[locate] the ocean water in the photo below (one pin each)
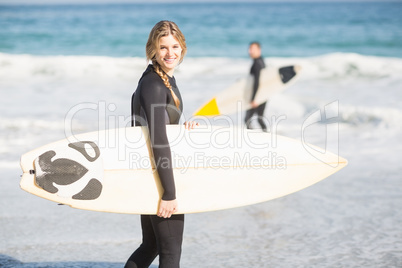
(218, 30)
(75, 68)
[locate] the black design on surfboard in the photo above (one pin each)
(91, 191)
(287, 73)
(80, 147)
(64, 171)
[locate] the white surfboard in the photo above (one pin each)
(214, 168)
(272, 81)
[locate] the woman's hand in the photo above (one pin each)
(191, 124)
(167, 208)
(253, 104)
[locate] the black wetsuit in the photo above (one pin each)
(258, 65)
(152, 105)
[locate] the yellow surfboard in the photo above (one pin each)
(272, 81)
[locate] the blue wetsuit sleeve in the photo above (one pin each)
(153, 100)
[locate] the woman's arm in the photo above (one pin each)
(153, 101)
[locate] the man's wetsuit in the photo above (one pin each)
(258, 65)
(152, 105)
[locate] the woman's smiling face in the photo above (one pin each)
(168, 53)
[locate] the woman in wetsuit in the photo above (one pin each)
(155, 103)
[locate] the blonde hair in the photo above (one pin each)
(161, 29)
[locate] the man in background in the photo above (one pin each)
(258, 64)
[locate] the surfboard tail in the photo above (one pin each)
(272, 81)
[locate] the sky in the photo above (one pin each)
(162, 1)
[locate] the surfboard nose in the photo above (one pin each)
(343, 162)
